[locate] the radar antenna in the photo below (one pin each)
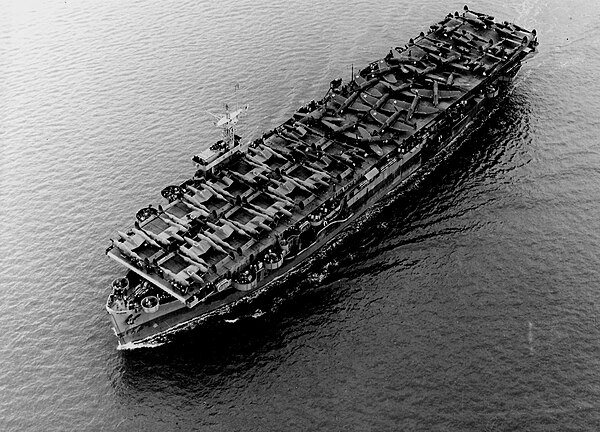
(228, 121)
(224, 148)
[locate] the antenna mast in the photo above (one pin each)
(228, 121)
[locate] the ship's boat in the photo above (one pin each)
(253, 211)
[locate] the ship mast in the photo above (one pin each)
(222, 149)
(228, 121)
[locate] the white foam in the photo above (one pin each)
(133, 345)
(258, 313)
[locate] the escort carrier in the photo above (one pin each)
(254, 211)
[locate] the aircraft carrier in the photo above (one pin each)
(255, 210)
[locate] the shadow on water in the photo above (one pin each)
(235, 346)
(457, 183)
(251, 335)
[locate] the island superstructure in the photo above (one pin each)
(254, 210)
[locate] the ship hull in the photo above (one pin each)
(420, 159)
(253, 214)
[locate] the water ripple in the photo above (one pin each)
(468, 302)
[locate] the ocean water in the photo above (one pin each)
(467, 303)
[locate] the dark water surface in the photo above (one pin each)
(468, 303)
